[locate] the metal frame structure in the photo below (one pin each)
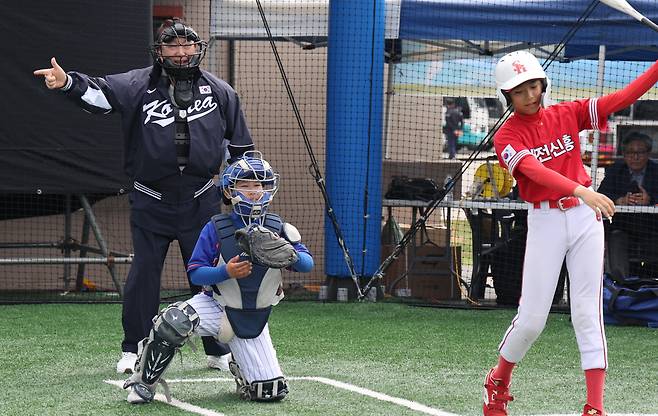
(67, 245)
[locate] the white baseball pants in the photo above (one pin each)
(256, 357)
(552, 235)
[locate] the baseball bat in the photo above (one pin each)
(624, 7)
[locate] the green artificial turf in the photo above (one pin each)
(55, 358)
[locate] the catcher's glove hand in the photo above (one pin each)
(266, 247)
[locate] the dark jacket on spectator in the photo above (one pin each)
(617, 181)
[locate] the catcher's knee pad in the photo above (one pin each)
(171, 329)
(225, 330)
(259, 390)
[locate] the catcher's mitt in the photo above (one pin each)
(266, 247)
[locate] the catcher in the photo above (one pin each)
(238, 260)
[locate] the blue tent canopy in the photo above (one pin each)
(542, 22)
(481, 26)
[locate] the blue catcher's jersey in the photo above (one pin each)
(142, 98)
(247, 301)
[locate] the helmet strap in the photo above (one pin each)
(507, 97)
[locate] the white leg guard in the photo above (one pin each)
(171, 329)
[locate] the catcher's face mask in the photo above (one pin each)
(250, 184)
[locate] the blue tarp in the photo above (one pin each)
(542, 22)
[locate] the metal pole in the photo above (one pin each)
(67, 240)
(230, 56)
(79, 279)
(101, 242)
(66, 260)
(387, 107)
(31, 245)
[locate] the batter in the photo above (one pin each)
(539, 145)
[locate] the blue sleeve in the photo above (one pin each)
(305, 263)
(206, 250)
(207, 275)
(202, 267)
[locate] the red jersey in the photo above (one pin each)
(551, 136)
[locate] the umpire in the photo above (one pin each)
(178, 121)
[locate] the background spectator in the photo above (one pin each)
(453, 127)
(632, 181)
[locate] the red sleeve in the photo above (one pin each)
(621, 99)
(541, 175)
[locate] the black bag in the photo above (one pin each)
(630, 302)
(507, 265)
(402, 187)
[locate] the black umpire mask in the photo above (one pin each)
(182, 74)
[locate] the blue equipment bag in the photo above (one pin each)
(635, 302)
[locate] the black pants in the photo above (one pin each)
(154, 225)
(632, 253)
(451, 139)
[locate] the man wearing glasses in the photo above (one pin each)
(634, 182)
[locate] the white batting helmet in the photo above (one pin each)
(514, 69)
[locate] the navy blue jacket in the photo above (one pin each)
(617, 182)
(142, 98)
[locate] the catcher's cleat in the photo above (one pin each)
(219, 362)
(140, 393)
(126, 364)
(496, 396)
(590, 411)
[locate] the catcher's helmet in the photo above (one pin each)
(514, 69)
(170, 30)
(250, 167)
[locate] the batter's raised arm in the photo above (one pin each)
(621, 99)
(54, 77)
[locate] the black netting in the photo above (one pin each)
(426, 58)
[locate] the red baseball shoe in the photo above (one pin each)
(496, 396)
(590, 411)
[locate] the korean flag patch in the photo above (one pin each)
(204, 89)
(507, 154)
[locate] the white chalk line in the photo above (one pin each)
(174, 402)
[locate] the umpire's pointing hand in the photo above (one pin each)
(55, 77)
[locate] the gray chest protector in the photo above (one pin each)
(247, 302)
